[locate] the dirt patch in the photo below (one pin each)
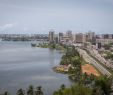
(89, 69)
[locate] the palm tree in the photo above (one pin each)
(76, 61)
(60, 92)
(30, 90)
(92, 77)
(39, 91)
(55, 93)
(62, 87)
(6, 93)
(20, 92)
(97, 91)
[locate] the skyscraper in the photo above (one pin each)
(69, 34)
(90, 36)
(51, 37)
(60, 36)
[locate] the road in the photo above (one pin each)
(95, 54)
(92, 61)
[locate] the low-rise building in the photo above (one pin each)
(104, 41)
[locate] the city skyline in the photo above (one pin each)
(40, 16)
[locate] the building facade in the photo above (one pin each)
(80, 38)
(60, 36)
(51, 37)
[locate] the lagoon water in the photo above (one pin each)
(22, 65)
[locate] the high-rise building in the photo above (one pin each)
(65, 39)
(51, 37)
(112, 36)
(60, 36)
(69, 34)
(80, 38)
(56, 40)
(90, 36)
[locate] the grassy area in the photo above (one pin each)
(53, 46)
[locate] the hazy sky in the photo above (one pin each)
(40, 16)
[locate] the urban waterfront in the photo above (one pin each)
(22, 65)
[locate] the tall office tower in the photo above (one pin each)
(90, 36)
(80, 38)
(60, 36)
(69, 34)
(56, 40)
(51, 37)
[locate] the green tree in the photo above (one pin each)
(107, 46)
(6, 93)
(75, 90)
(39, 90)
(55, 93)
(76, 61)
(30, 90)
(104, 83)
(62, 87)
(20, 92)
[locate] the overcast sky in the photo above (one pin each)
(40, 16)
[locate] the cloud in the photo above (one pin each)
(7, 26)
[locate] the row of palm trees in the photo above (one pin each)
(30, 91)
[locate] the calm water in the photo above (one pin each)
(22, 65)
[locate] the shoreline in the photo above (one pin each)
(58, 71)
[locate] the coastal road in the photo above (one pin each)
(95, 54)
(92, 61)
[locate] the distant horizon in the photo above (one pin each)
(39, 16)
(54, 32)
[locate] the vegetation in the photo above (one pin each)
(30, 91)
(101, 87)
(74, 90)
(108, 46)
(52, 46)
(109, 55)
(70, 57)
(85, 84)
(43, 45)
